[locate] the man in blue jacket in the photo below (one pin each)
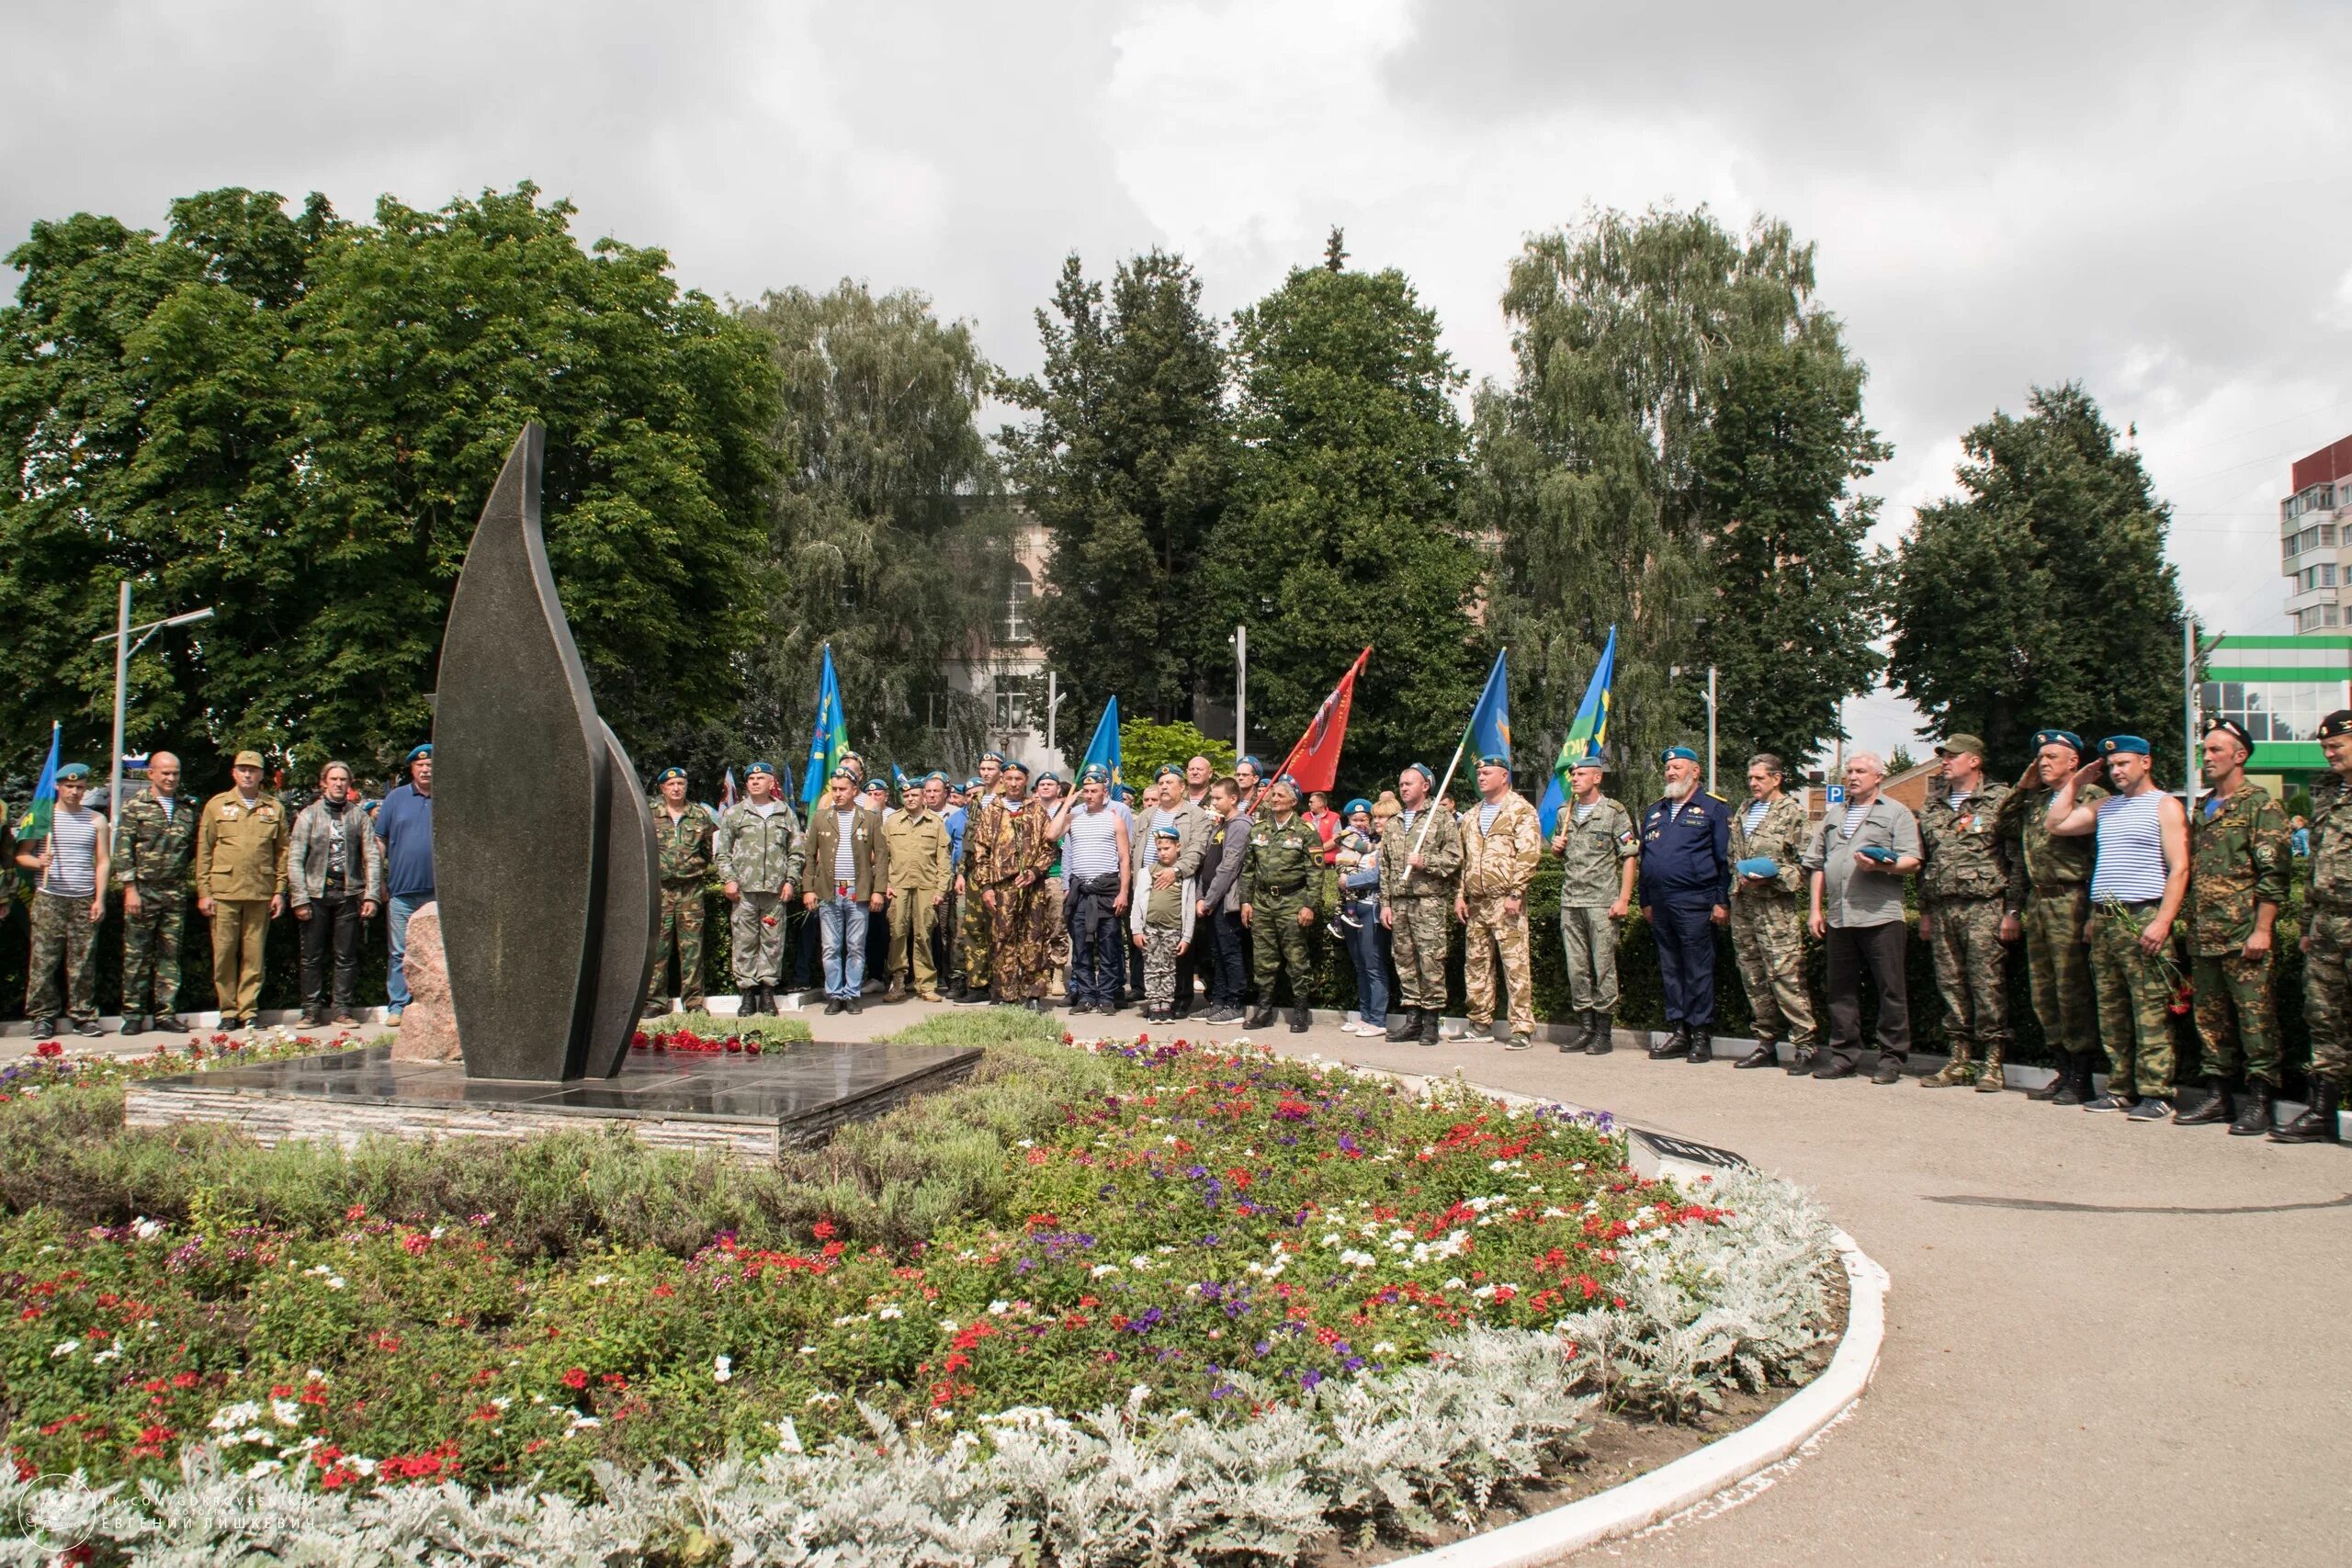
(1686, 872)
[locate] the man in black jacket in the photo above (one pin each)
(1219, 908)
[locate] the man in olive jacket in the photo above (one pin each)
(844, 871)
(242, 842)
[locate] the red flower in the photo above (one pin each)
(575, 1378)
(822, 1229)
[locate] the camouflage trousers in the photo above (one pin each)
(1768, 938)
(681, 931)
(1588, 941)
(972, 940)
(2328, 994)
(1056, 898)
(1418, 935)
(61, 933)
(1965, 940)
(151, 951)
(1021, 943)
(1159, 964)
(755, 939)
(1487, 935)
(2232, 988)
(1277, 943)
(2059, 964)
(2134, 992)
(912, 913)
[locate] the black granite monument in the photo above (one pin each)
(543, 850)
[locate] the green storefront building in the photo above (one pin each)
(2280, 688)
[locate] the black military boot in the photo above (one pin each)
(2317, 1124)
(167, 1023)
(1766, 1054)
(1429, 1026)
(1802, 1060)
(2074, 1080)
(1604, 1033)
(1403, 1024)
(2060, 1077)
(1675, 1045)
(2207, 1108)
(1703, 1047)
(134, 1023)
(1261, 1016)
(2260, 1113)
(1301, 1020)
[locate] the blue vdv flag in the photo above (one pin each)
(1547, 811)
(831, 737)
(1105, 746)
(1490, 720)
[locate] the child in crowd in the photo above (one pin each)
(1161, 919)
(1356, 859)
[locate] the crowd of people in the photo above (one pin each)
(1198, 897)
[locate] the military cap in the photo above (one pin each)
(1285, 782)
(1167, 831)
(1124, 792)
(1096, 774)
(2233, 728)
(1045, 775)
(2065, 738)
(969, 785)
(1492, 761)
(1358, 804)
(76, 772)
(666, 774)
(1959, 745)
(416, 752)
(1166, 770)
(767, 767)
(1251, 762)
(1683, 752)
(873, 784)
(2116, 743)
(1015, 765)
(935, 777)
(996, 757)
(1594, 760)
(246, 760)
(839, 773)
(2335, 724)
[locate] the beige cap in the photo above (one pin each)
(247, 760)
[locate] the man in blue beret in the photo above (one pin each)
(974, 928)
(2050, 882)
(2239, 866)
(1420, 871)
(405, 829)
(757, 849)
(2139, 878)
(1768, 916)
(69, 900)
(2327, 941)
(1685, 879)
(684, 838)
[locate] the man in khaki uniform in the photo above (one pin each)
(241, 850)
(921, 870)
(1501, 842)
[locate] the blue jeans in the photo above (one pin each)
(1372, 967)
(396, 979)
(843, 926)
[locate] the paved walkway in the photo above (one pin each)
(2108, 1343)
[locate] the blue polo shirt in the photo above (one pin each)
(404, 822)
(1686, 851)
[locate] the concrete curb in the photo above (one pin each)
(1666, 1491)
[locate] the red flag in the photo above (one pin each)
(1315, 761)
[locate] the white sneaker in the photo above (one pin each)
(1353, 1027)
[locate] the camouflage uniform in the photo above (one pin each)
(759, 852)
(1497, 863)
(152, 851)
(1002, 844)
(62, 931)
(1592, 874)
(2050, 879)
(2135, 991)
(1281, 875)
(1768, 924)
(685, 843)
(2238, 857)
(972, 935)
(1419, 898)
(2327, 924)
(1964, 893)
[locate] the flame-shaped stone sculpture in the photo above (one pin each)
(543, 848)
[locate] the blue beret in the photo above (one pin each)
(1358, 804)
(1097, 773)
(767, 767)
(1759, 865)
(1126, 793)
(1491, 761)
(1684, 752)
(935, 777)
(1167, 832)
(996, 757)
(1422, 769)
(839, 773)
(968, 785)
(2059, 737)
(416, 752)
(1013, 764)
(2114, 743)
(1285, 782)
(1165, 769)
(877, 782)
(666, 774)
(73, 771)
(1251, 762)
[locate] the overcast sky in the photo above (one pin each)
(2152, 199)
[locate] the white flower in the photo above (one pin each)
(1099, 1270)
(146, 1229)
(242, 1414)
(891, 1312)
(998, 1308)
(289, 1414)
(807, 1350)
(602, 1279)
(1355, 1259)
(64, 1347)
(111, 1353)
(367, 1466)
(265, 1467)
(1384, 1348)
(722, 1368)
(791, 1434)
(948, 1325)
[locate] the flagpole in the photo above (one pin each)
(1430, 821)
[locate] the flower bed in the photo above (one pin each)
(1219, 1290)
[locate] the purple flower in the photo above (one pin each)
(1309, 1378)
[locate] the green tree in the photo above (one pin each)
(1342, 529)
(2041, 596)
(296, 419)
(890, 534)
(1672, 458)
(1145, 744)
(1126, 465)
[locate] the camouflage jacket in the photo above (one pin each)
(1441, 855)
(685, 842)
(1497, 862)
(2238, 857)
(1966, 856)
(1779, 838)
(1002, 844)
(759, 851)
(2331, 858)
(1284, 860)
(151, 849)
(1594, 853)
(2038, 858)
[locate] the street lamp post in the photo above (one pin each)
(123, 648)
(1055, 697)
(1241, 690)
